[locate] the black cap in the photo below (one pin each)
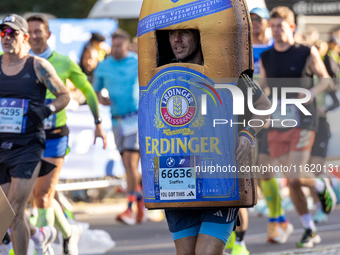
(16, 22)
(97, 37)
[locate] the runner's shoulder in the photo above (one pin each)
(60, 59)
(40, 64)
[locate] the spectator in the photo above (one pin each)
(89, 62)
(97, 41)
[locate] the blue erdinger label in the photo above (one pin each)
(184, 157)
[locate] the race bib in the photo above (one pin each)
(129, 125)
(12, 113)
(176, 178)
(50, 121)
(291, 119)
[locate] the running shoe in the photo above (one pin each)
(70, 245)
(44, 247)
(327, 197)
(308, 239)
(231, 241)
(6, 239)
(279, 232)
(320, 217)
(239, 250)
(142, 212)
(127, 217)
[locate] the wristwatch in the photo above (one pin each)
(52, 108)
(97, 120)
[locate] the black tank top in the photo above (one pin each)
(24, 85)
(288, 69)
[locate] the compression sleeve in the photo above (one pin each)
(79, 79)
(335, 102)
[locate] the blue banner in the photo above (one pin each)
(184, 157)
(69, 36)
(180, 14)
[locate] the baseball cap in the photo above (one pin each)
(261, 12)
(335, 39)
(16, 22)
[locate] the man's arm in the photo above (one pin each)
(48, 76)
(261, 102)
(317, 67)
(79, 80)
(262, 80)
(244, 145)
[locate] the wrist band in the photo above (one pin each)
(246, 133)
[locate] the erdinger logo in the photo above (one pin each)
(174, 1)
(178, 106)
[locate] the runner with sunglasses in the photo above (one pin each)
(24, 80)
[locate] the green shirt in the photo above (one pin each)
(67, 69)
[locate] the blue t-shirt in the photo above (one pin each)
(257, 50)
(120, 78)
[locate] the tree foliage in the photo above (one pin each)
(59, 8)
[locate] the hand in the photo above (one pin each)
(243, 149)
(38, 114)
(99, 132)
(103, 100)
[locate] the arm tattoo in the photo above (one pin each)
(45, 72)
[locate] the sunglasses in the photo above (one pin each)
(259, 19)
(11, 32)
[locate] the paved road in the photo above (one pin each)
(154, 237)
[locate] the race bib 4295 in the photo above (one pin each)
(12, 111)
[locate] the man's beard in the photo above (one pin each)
(191, 56)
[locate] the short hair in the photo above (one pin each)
(120, 33)
(284, 13)
(40, 18)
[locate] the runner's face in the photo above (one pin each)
(120, 48)
(281, 30)
(185, 45)
(38, 36)
(90, 60)
(12, 42)
(259, 24)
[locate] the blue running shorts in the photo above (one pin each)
(218, 223)
(56, 148)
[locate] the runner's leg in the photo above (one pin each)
(49, 210)
(207, 244)
(19, 193)
(186, 245)
(239, 246)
